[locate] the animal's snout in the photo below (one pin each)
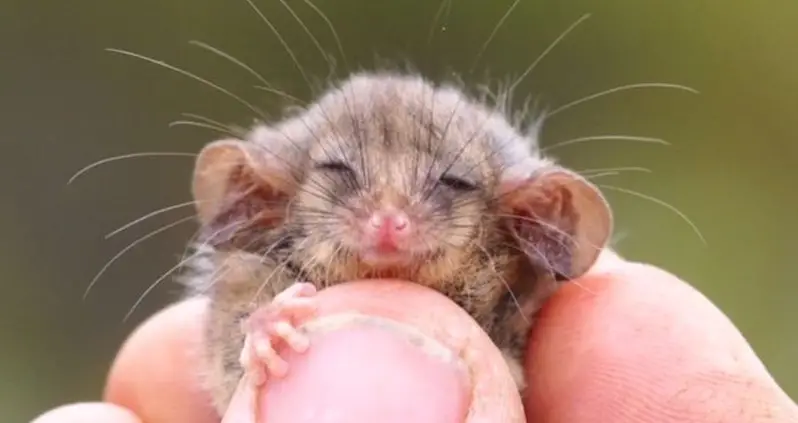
(388, 228)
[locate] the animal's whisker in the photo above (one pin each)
(308, 266)
(206, 119)
(493, 34)
(156, 283)
(149, 215)
(280, 93)
(312, 37)
(604, 137)
(498, 274)
(274, 245)
(548, 49)
(195, 245)
(548, 266)
(445, 5)
(582, 100)
(129, 156)
(329, 266)
(430, 184)
(442, 136)
(130, 247)
(292, 167)
(232, 59)
(201, 125)
(351, 181)
(281, 40)
(539, 221)
(222, 268)
(331, 27)
(613, 169)
(323, 193)
(617, 238)
(583, 287)
(600, 175)
(661, 203)
(190, 75)
(278, 269)
(300, 149)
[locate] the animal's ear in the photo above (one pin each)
(559, 219)
(236, 180)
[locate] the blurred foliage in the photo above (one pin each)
(65, 103)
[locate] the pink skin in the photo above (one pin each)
(385, 237)
(665, 369)
(274, 325)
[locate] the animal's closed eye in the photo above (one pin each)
(334, 166)
(457, 184)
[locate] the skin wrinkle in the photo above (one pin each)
(641, 350)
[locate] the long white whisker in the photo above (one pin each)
(603, 138)
(618, 89)
(614, 169)
(128, 156)
(547, 50)
(163, 277)
(200, 125)
(205, 119)
(149, 215)
(661, 203)
(229, 57)
(281, 40)
(498, 274)
(280, 93)
(601, 175)
(155, 284)
(312, 37)
(277, 269)
(190, 75)
(327, 21)
(493, 34)
(130, 247)
(435, 19)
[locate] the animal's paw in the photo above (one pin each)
(273, 325)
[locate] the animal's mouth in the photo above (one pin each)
(380, 257)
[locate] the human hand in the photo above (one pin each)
(627, 343)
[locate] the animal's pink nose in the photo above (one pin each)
(388, 228)
(389, 221)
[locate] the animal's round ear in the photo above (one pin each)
(212, 169)
(560, 220)
(229, 171)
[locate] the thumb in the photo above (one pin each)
(387, 351)
(631, 343)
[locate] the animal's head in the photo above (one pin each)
(385, 187)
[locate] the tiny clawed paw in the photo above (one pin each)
(274, 325)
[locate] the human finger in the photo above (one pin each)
(401, 352)
(90, 412)
(632, 343)
(155, 372)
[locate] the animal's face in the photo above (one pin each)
(392, 196)
(388, 176)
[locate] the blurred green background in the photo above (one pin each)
(65, 103)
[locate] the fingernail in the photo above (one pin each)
(367, 373)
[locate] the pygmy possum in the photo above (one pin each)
(385, 175)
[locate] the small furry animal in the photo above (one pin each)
(385, 175)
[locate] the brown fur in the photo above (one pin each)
(272, 217)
